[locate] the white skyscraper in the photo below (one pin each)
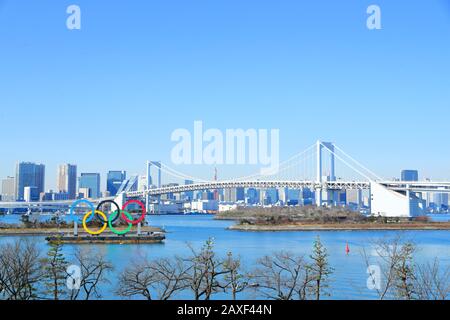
(67, 180)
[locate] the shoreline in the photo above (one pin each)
(343, 227)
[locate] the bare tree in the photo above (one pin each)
(158, 279)
(20, 270)
(236, 280)
(405, 277)
(282, 276)
(432, 281)
(394, 257)
(136, 280)
(205, 272)
(94, 269)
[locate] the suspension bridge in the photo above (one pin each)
(323, 168)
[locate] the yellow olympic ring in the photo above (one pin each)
(99, 231)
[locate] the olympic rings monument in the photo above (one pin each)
(101, 227)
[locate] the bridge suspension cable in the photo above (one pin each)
(281, 166)
(180, 175)
(349, 165)
(359, 164)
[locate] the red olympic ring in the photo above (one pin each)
(134, 222)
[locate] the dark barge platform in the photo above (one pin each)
(109, 239)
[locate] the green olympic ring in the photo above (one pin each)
(113, 216)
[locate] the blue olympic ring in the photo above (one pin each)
(72, 215)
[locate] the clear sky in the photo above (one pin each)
(109, 96)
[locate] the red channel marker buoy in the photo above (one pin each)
(347, 249)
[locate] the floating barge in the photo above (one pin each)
(144, 238)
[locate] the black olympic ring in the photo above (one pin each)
(118, 215)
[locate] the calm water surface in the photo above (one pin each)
(348, 281)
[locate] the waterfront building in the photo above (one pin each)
(91, 181)
(54, 196)
(205, 206)
(129, 185)
(30, 194)
(67, 180)
(440, 201)
(410, 175)
(83, 193)
(9, 189)
(224, 207)
(29, 174)
(114, 180)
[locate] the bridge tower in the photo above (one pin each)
(149, 182)
(330, 194)
(156, 164)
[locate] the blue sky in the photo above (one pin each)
(109, 95)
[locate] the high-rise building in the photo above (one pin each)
(271, 196)
(230, 195)
(306, 197)
(283, 195)
(67, 180)
(354, 198)
(91, 181)
(410, 175)
(252, 196)
(9, 189)
(114, 181)
(188, 195)
(170, 196)
(293, 195)
(29, 174)
(440, 200)
(240, 194)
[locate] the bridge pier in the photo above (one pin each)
(331, 195)
(121, 199)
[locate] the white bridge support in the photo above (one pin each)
(391, 203)
(157, 165)
(331, 195)
(120, 199)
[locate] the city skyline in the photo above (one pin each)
(70, 183)
(311, 72)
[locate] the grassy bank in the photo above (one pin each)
(320, 219)
(343, 227)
